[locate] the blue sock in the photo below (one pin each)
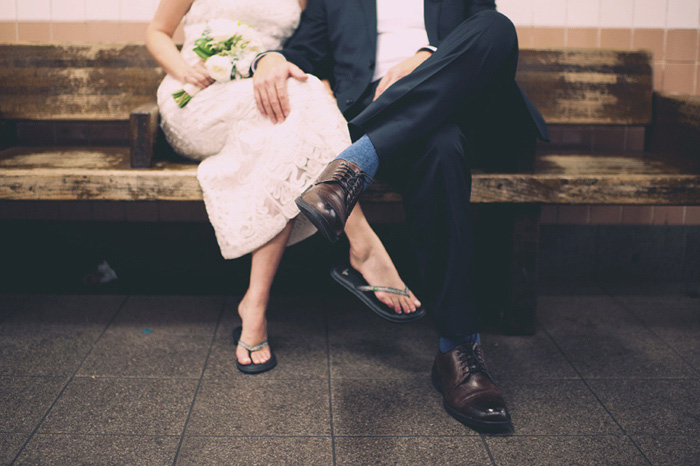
(448, 344)
(363, 153)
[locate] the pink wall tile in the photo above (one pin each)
(636, 215)
(104, 31)
(616, 38)
(606, 215)
(692, 215)
(549, 215)
(650, 39)
(582, 37)
(668, 215)
(69, 32)
(544, 37)
(574, 215)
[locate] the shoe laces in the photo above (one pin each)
(351, 181)
(472, 361)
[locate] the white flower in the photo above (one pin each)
(243, 64)
(221, 29)
(219, 67)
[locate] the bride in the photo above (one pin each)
(252, 169)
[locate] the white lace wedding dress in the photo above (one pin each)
(252, 170)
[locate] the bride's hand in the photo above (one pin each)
(197, 75)
(270, 85)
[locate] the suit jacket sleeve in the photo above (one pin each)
(480, 5)
(309, 45)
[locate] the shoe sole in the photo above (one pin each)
(317, 220)
(482, 426)
(375, 307)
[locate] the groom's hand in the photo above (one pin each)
(270, 85)
(397, 72)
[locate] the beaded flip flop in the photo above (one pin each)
(352, 280)
(253, 368)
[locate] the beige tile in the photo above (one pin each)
(668, 215)
(679, 77)
(650, 39)
(8, 31)
(70, 32)
(697, 80)
(548, 37)
(582, 37)
(39, 31)
(692, 215)
(681, 45)
(636, 215)
(606, 214)
(104, 31)
(577, 138)
(524, 36)
(616, 38)
(134, 32)
(574, 215)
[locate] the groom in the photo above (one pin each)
(428, 89)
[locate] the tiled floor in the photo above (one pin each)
(612, 376)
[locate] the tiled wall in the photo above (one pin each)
(670, 28)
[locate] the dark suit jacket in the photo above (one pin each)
(337, 39)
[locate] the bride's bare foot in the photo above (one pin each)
(377, 268)
(252, 312)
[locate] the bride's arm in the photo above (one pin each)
(159, 41)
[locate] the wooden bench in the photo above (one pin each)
(78, 83)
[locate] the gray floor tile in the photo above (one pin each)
(525, 358)
(99, 449)
(370, 407)
(297, 335)
(44, 352)
(175, 315)
(665, 449)
(547, 287)
(652, 407)
(132, 353)
(122, 406)
(62, 314)
(675, 319)
(602, 340)
(255, 406)
(410, 450)
(555, 407)
(260, 451)
(25, 400)
(10, 445)
(364, 346)
(564, 450)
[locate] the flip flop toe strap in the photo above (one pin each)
(385, 289)
(252, 349)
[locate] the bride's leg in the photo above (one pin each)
(369, 257)
(265, 261)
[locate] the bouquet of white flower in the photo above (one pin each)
(228, 49)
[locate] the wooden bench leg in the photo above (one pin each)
(518, 316)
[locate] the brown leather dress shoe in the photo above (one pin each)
(469, 394)
(329, 201)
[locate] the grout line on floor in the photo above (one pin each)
(65, 386)
(488, 450)
(590, 389)
(330, 379)
(201, 378)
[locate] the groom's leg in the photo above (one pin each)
(436, 188)
(480, 53)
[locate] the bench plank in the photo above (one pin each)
(90, 81)
(104, 173)
(75, 81)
